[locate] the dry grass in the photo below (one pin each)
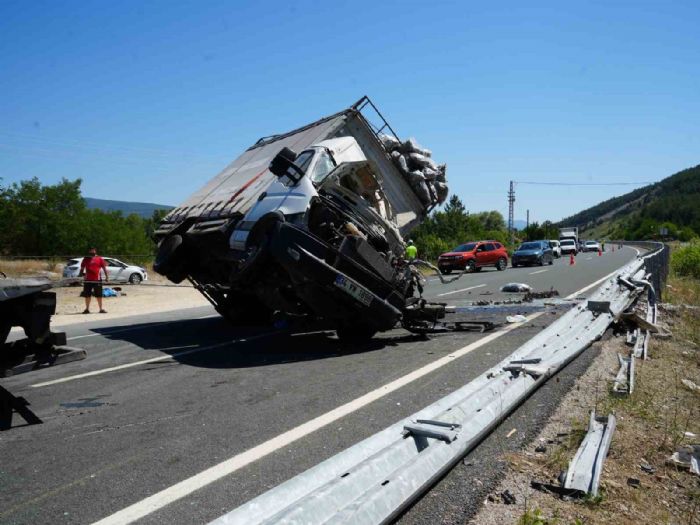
(651, 423)
(30, 267)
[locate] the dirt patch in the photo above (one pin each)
(651, 423)
(134, 300)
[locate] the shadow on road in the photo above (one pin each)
(249, 347)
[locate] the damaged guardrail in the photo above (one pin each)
(376, 479)
(583, 474)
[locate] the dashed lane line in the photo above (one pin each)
(462, 290)
(183, 488)
(538, 271)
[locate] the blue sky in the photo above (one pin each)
(148, 100)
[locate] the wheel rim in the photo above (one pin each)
(135, 279)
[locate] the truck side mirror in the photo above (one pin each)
(283, 164)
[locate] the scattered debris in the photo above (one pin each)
(510, 433)
(516, 288)
(686, 457)
(541, 448)
(530, 296)
(624, 380)
(508, 497)
(690, 385)
(516, 318)
(646, 467)
(634, 482)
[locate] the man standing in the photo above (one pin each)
(90, 267)
(411, 251)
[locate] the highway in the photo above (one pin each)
(178, 418)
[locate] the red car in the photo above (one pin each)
(473, 256)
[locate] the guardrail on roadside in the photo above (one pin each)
(376, 479)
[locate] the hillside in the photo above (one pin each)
(143, 209)
(671, 203)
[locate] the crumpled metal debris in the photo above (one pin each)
(516, 287)
(686, 457)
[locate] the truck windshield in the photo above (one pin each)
(324, 165)
(465, 247)
(567, 242)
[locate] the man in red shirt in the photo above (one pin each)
(90, 267)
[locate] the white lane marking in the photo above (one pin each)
(589, 258)
(187, 486)
(462, 290)
(146, 361)
(183, 488)
(538, 271)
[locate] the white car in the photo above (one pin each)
(568, 246)
(556, 248)
(591, 246)
(117, 271)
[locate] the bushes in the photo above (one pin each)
(686, 260)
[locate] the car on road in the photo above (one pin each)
(591, 246)
(568, 246)
(556, 248)
(473, 256)
(533, 252)
(117, 271)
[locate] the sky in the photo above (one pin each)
(146, 101)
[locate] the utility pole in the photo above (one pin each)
(527, 220)
(511, 202)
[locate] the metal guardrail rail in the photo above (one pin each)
(376, 479)
(583, 474)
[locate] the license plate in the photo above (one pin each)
(353, 289)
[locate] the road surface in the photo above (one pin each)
(178, 418)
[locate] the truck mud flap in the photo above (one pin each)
(330, 293)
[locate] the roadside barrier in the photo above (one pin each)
(375, 480)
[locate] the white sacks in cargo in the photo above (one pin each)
(428, 179)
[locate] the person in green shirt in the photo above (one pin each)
(411, 251)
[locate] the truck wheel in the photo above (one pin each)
(257, 246)
(501, 264)
(470, 267)
(355, 333)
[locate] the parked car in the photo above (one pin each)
(591, 246)
(556, 248)
(533, 252)
(117, 271)
(568, 246)
(473, 256)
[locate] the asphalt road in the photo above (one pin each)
(178, 418)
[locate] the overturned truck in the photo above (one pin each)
(310, 224)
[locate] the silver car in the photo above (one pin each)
(117, 271)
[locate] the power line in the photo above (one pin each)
(583, 183)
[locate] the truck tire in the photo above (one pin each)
(258, 244)
(171, 259)
(355, 333)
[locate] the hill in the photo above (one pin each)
(143, 209)
(671, 203)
